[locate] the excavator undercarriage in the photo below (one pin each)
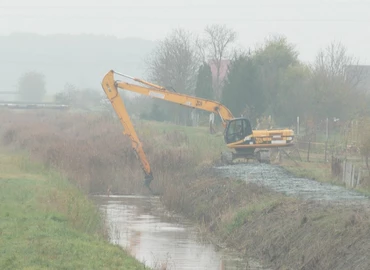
(260, 155)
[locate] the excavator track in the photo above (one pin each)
(230, 158)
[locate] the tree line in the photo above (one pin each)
(268, 80)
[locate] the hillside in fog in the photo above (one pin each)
(81, 60)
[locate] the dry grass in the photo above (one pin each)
(283, 232)
(288, 234)
(92, 152)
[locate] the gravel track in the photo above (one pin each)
(280, 180)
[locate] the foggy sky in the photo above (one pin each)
(309, 24)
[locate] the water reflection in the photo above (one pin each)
(140, 225)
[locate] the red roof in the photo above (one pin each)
(223, 69)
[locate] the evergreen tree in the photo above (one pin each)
(203, 88)
(242, 92)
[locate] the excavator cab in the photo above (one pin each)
(237, 129)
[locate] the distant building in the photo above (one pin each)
(224, 68)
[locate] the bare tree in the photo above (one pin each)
(201, 46)
(335, 64)
(174, 64)
(218, 39)
(336, 77)
(175, 61)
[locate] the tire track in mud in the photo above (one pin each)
(279, 179)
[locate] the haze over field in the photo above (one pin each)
(83, 60)
(260, 146)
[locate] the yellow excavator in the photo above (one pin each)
(238, 133)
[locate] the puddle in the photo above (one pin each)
(278, 179)
(141, 226)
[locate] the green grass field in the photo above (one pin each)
(205, 146)
(45, 223)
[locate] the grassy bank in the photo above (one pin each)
(318, 170)
(45, 223)
(282, 232)
(286, 233)
(315, 170)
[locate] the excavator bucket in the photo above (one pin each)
(148, 179)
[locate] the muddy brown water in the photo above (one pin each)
(279, 179)
(155, 237)
(142, 226)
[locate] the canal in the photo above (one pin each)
(162, 240)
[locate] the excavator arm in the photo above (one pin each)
(111, 86)
(160, 92)
(238, 131)
(111, 91)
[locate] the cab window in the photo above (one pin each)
(237, 130)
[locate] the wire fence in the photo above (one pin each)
(345, 161)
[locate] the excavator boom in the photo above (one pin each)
(111, 91)
(160, 92)
(238, 131)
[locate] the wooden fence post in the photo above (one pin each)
(358, 177)
(353, 176)
(308, 151)
(344, 172)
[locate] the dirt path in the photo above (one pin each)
(280, 180)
